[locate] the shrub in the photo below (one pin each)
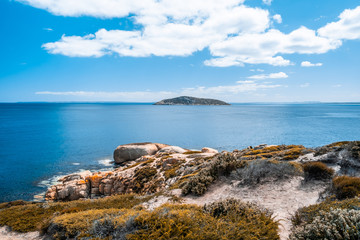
(32, 217)
(307, 214)
(237, 220)
(346, 187)
(222, 164)
(260, 170)
(317, 171)
(72, 225)
(145, 174)
(193, 222)
(235, 207)
(280, 152)
(337, 146)
(334, 224)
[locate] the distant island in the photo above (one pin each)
(185, 100)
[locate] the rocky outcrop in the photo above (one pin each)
(185, 100)
(74, 188)
(171, 167)
(132, 151)
(156, 167)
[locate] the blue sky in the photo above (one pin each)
(146, 50)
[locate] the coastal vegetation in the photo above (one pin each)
(317, 171)
(331, 219)
(167, 195)
(123, 217)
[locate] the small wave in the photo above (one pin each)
(47, 183)
(106, 162)
(76, 163)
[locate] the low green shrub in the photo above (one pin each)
(279, 152)
(307, 214)
(258, 171)
(32, 217)
(346, 187)
(317, 171)
(222, 164)
(192, 222)
(236, 220)
(334, 224)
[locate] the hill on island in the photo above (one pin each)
(185, 100)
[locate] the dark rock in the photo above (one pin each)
(185, 100)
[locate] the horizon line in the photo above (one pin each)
(294, 102)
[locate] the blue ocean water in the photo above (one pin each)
(42, 140)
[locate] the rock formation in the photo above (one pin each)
(153, 167)
(148, 168)
(132, 151)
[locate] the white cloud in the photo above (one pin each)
(278, 75)
(309, 64)
(48, 29)
(223, 92)
(186, 32)
(348, 27)
(277, 18)
(267, 2)
(234, 33)
(256, 48)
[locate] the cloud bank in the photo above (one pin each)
(234, 33)
(222, 92)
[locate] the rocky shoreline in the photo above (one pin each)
(152, 167)
(140, 161)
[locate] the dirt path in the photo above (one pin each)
(8, 235)
(283, 198)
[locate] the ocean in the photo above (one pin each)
(40, 141)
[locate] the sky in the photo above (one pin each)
(148, 50)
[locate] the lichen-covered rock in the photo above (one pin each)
(72, 187)
(172, 149)
(132, 151)
(209, 150)
(147, 174)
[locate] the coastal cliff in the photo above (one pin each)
(185, 100)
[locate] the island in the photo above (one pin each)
(186, 100)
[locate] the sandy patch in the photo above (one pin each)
(5, 234)
(281, 197)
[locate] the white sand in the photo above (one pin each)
(8, 235)
(283, 198)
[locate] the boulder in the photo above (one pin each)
(132, 151)
(209, 150)
(172, 149)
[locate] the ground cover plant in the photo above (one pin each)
(170, 221)
(346, 187)
(317, 171)
(28, 217)
(258, 171)
(332, 224)
(307, 214)
(121, 217)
